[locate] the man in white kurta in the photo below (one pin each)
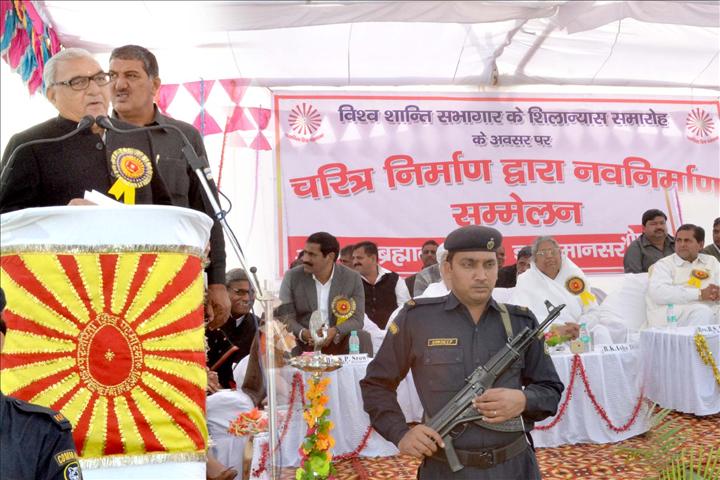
(686, 279)
(554, 277)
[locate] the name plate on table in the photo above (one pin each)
(354, 359)
(616, 347)
(705, 329)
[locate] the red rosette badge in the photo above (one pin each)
(575, 285)
(700, 274)
(343, 308)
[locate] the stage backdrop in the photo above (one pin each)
(400, 169)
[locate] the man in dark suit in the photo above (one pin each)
(232, 341)
(136, 81)
(59, 173)
(322, 284)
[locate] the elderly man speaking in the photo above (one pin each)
(554, 277)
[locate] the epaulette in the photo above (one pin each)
(424, 301)
(518, 310)
(55, 417)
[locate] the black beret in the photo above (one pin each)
(473, 238)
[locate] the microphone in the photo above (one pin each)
(253, 270)
(86, 122)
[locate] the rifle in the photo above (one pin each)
(459, 409)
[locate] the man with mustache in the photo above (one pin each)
(324, 285)
(53, 174)
(384, 290)
(443, 340)
(687, 279)
(136, 81)
(652, 245)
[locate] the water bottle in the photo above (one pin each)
(670, 316)
(585, 338)
(354, 343)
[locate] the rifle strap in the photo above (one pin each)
(505, 315)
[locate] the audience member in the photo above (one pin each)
(384, 290)
(318, 284)
(714, 248)
(136, 82)
(556, 278)
(652, 245)
(428, 275)
(428, 256)
(507, 276)
(53, 174)
(688, 280)
(232, 341)
(346, 255)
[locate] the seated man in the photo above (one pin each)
(428, 256)
(320, 284)
(652, 245)
(427, 275)
(714, 248)
(384, 290)
(229, 343)
(507, 276)
(555, 277)
(686, 279)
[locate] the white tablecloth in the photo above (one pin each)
(675, 376)
(615, 381)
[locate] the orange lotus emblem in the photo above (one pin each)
(575, 285)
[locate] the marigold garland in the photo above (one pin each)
(251, 422)
(315, 449)
(579, 369)
(706, 355)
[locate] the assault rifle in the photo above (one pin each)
(459, 409)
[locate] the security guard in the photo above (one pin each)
(443, 340)
(35, 442)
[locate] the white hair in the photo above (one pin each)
(62, 56)
(539, 240)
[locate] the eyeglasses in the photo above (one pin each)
(548, 252)
(240, 291)
(81, 83)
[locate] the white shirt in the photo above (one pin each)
(402, 294)
(323, 296)
(668, 279)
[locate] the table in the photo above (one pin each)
(614, 412)
(675, 375)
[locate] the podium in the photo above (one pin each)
(105, 324)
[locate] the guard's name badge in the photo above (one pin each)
(442, 342)
(64, 457)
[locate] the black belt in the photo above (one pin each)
(486, 458)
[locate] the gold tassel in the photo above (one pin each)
(150, 458)
(694, 282)
(121, 188)
(587, 298)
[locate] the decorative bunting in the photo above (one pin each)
(206, 124)
(239, 121)
(165, 96)
(235, 88)
(260, 143)
(261, 116)
(26, 41)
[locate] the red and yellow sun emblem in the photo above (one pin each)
(343, 308)
(115, 342)
(700, 274)
(133, 170)
(575, 285)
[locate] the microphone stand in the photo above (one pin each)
(204, 175)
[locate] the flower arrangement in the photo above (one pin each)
(249, 423)
(315, 449)
(553, 337)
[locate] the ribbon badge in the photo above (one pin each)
(343, 308)
(696, 277)
(576, 286)
(133, 170)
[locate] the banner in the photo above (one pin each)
(110, 336)
(401, 169)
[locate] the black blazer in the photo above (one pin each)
(53, 174)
